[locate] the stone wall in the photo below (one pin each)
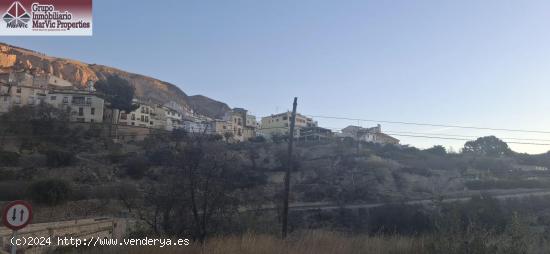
(84, 228)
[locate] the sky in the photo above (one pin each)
(472, 63)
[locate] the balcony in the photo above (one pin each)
(81, 103)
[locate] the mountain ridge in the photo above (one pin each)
(15, 58)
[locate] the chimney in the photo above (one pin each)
(91, 86)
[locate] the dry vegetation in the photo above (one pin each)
(314, 242)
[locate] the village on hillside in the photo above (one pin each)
(237, 125)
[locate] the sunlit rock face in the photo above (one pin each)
(13, 58)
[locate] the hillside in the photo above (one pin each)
(13, 58)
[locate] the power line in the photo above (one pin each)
(429, 124)
(464, 136)
(463, 139)
(458, 137)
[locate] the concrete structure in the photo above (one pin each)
(102, 228)
(280, 124)
(252, 122)
(20, 95)
(373, 134)
(196, 124)
(50, 80)
(84, 106)
(174, 116)
(237, 122)
(220, 127)
(142, 116)
(21, 89)
(314, 133)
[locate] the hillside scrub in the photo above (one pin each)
(327, 242)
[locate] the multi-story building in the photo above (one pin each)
(196, 124)
(314, 133)
(158, 117)
(20, 89)
(241, 125)
(51, 80)
(251, 121)
(142, 116)
(173, 115)
(84, 106)
(280, 124)
(220, 127)
(20, 95)
(373, 134)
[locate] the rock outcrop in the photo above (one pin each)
(14, 58)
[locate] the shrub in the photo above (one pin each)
(33, 160)
(258, 139)
(116, 156)
(161, 157)
(59, 157)
(6, 174)
(93, 132)
(50, 192)
(12, 190)
(8, 158)
(401, 219)
(136, 167)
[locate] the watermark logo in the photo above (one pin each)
(46, 17)
(16, 16)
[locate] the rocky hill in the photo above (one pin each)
(13, 58)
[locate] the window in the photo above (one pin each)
(146, 118)
(142, 118)
(93, 112)
(133, 117)
(31, 100)
(285, 118)
(53, 98)
(80, 111)
(65, 100)
(88, 101)
(78, 100)
(17, 100)
(142, 110)
(19, 90)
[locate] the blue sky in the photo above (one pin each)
(481, 63)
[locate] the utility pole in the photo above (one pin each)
(287, 176)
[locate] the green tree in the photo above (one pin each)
(119, 93)
(50, 192)
(437, 150)
(487, 146)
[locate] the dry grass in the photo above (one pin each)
(316, 242)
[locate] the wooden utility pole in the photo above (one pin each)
(288, 170)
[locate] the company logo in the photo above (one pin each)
(46, 17)
(16, 16)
